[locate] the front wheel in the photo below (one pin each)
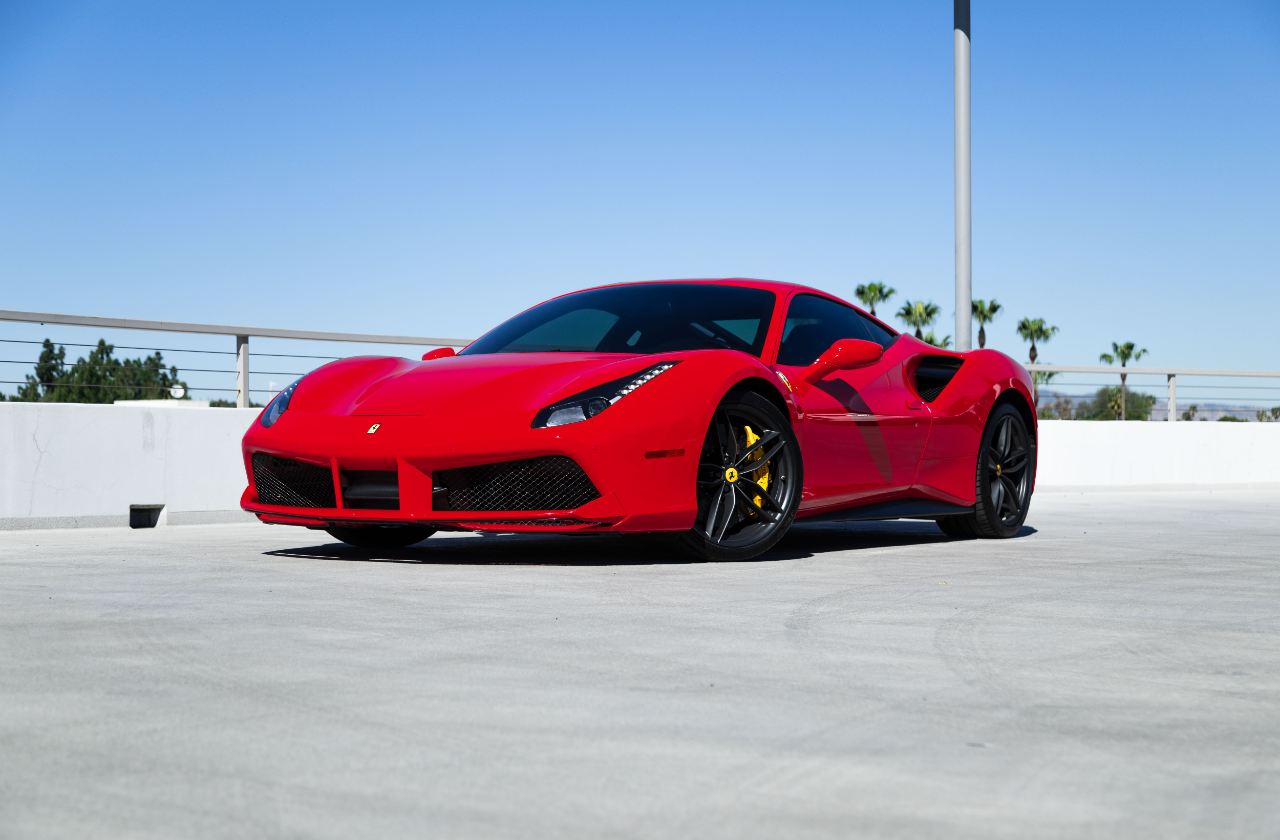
(1006, 473)
(750, 475)
(380, 536)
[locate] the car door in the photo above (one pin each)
(863, 431)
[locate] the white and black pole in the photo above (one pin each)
(964, 198)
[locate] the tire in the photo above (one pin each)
(738, 517)
(381, 536)
(1003, 481)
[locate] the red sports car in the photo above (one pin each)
(718, 411)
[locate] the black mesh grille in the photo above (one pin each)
(544, 523)
(934, 374)
(553, 482)
(281, 481)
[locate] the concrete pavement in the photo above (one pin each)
(1114, 672)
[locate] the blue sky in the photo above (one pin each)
(433, 169)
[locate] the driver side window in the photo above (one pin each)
(815, 323)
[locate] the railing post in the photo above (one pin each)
(1173, 397)
(242, 371)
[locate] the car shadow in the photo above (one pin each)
(803, 541)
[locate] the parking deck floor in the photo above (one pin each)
(1113, 672)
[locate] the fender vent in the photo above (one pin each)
(934, 374)
(280, 481)
(553, 482)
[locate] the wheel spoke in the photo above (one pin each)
(753, 448)
(1014, 461)
(1002, 438)
(760, 462)
(730, 440)
(1011, 500)
(749, 496)
(730, 508)
(997, 496)
(767, 496)
(712, 513)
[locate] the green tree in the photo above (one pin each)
(984, 313)
(918, 314)
(1122, 352)
(1106, 406)
(1038, 378)
(872, 293)
(101, 378)
(1033, 330)
(943, 343)
(1190, 413)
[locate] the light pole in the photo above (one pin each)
(964, 199)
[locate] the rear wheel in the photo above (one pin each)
(1005, 475)
(749, 479)
(380, 536)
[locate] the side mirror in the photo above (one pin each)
(845, 354)
(438, 353)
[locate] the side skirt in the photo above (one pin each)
(894, 509)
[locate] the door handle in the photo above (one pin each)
(915, 405)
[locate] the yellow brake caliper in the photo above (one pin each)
(760, 475)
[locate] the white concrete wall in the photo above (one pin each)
(68, 465)
(1140, 455)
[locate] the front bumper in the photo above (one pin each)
(638, 489)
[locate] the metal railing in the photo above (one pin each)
(1172, 375)
(241, 334)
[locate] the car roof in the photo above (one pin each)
(750, 282)
(778, 288)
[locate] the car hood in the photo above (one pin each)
(457, 385)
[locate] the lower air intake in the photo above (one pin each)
(553, 482)
(280, 481)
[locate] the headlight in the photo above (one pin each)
(588, 404)
(277, 406)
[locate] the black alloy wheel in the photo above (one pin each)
(1005, 475)
(750, 475)
(380, 536)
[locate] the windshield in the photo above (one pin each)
(644, 318)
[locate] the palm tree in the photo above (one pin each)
(1038, 378)
(918, 314)
(1123, 352)
(1033, 330)
(984, 313)
(943, 343)
(872, 293)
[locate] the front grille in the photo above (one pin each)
(543, 523)
(281, 481)
(553, 482)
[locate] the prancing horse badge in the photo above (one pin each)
(374, 428)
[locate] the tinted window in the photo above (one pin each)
(644, 318)
(815, 323)
(879, 334)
